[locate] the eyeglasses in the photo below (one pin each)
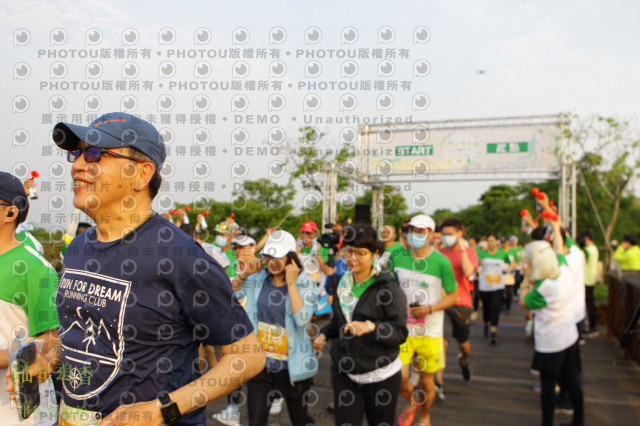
(354, 252)
(92, 154)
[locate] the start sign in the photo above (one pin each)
(414, 150)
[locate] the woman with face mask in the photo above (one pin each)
(280, 301)
(367, 328)
(492, 264)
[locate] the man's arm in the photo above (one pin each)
(468, 268)
(423, 310)
(239, 362)
(46, 363)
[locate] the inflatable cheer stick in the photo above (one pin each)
(32, 192)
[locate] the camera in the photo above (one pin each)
(330, 238)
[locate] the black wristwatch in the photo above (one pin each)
(170, 412)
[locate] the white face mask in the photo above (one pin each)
(449, 240)
(221, 241)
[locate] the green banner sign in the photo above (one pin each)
(507, 147)
(414, 150)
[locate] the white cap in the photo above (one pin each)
(422, 221)
(279, 244)
(244, 240)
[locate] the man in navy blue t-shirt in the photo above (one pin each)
(138, 296)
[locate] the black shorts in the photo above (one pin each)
(459, 322)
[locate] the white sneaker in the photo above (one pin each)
(230, 416)
(276, 406)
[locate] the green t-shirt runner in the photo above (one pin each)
(423, 282)
(28, 239)
(324, 252)
(28, 281)
(492, 266)
(27, 307)
(233, 263)
(388, 251)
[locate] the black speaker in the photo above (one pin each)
(363, 214)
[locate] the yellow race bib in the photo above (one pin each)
(273, 339)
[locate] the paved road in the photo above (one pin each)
(501, 390)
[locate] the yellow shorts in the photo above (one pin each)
(429, 352)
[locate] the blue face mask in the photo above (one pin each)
(417, 241)
(221, 241)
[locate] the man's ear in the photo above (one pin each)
(145, 173)
(11, 215)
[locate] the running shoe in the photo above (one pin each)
(407, 416)
(565, 408)
(276, 406)
(230, 416)
(494, 340)
(440, 391)
(466, 371)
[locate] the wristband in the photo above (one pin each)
(370, 325)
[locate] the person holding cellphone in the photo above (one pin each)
(280, 302)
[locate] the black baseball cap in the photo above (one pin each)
(114, 130)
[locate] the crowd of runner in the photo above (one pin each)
(151, 323)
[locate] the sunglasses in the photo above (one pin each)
(92, 154)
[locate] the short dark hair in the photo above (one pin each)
(581, 240)
(494, 235)
(631, 239)
(438, 228)
(586, 233)
(452, 221)
(362, 236)
(82, 226)
(404, 229)
(539, 233)
(156, 180)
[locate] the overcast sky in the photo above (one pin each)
(485, 59)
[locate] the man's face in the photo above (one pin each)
(246, 252)
(436, 238)
(104, 184)
(492, 242)
(308, 237)
(387, 234)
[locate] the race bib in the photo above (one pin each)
(493, 278)
(70, 416)
(509, 279)
(273, 339)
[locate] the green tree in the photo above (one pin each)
(307, 155)
(610, 158)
